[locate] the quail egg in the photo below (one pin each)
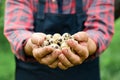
(66, 36)
(55, 46)
(64, 45)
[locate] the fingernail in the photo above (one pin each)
(66, 51)
(76, 36)
(71, 42)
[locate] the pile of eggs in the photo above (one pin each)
(57, 41)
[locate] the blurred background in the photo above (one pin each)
(109, 60)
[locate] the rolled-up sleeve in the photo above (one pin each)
(100, 23)
(18, 25)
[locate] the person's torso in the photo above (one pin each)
(51, 23)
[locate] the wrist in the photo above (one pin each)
(28, 47)
(92, 47)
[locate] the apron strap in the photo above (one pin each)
(41, 6)
(60, 4)
(80, 13)
(79, 6)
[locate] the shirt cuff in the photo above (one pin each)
(20, 53)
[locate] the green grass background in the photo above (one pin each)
(109, 60)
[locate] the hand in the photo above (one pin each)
(82, 38)
(70, 58)
(34, 41)
(47, 56)
(81, 51)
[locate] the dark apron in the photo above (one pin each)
(58, 23)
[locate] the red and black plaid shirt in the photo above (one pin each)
(19, 21)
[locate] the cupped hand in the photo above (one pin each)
(77, 52)
(47, 56)
(35, 40)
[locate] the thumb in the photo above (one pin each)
(81, 36)
(38, 38)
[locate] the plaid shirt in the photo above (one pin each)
(19, 21)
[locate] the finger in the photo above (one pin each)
(61, 66)
(65, 61)
(82, 51)
(83, 43)
(51, 58)
(42, 52)
(34, 46)
(54, 64)
(72, 57)
(38, 38)
(81, 36)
